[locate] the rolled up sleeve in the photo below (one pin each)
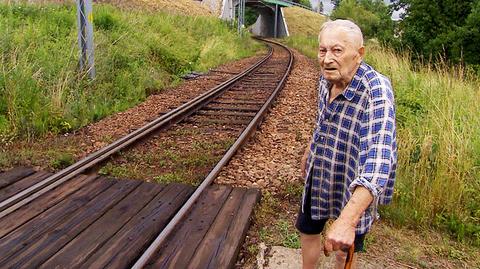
(376, 146)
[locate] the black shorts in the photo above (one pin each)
(306, 225)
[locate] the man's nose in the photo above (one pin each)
(328, 57)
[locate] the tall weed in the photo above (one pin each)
(136, 53)
(438, 108)
(439, 138)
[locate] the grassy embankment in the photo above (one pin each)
(137, 53)
(438, 179)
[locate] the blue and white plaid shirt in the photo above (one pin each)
(353, 145)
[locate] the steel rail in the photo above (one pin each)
(249, 130)
(176, 115)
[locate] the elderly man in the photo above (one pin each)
(349, 166)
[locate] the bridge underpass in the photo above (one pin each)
(270, 22)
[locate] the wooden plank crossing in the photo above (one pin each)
(212, 234)
(14, 175)
(94, 222)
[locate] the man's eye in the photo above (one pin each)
(337, 51)
(322, 51)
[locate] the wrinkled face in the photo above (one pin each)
(339, 56)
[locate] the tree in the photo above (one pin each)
(373, 17)
(251, 16)
(445, 28)
(468, 38)
(335, 3)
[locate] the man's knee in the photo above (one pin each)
(310, 238)
(311, 244)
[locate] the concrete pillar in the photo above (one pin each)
(267, 26)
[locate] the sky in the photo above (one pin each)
(328, 6)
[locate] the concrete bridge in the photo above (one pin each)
(270, 22)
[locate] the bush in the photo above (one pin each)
(442, 30)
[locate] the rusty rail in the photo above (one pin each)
(216, 170)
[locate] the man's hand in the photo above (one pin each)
(303, 162)
(340, 236)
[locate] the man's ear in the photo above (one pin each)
(361, 52)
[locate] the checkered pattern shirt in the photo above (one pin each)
(353, 145)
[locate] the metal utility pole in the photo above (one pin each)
(85, 36)
(275, 30)
(234, 15)
(241, 15)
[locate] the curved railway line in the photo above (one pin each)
(233, 109)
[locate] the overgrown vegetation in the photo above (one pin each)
(137, 53)
(442, 30)
(432, 30)
(276, 229)
(438, 179)
(307, 45)
(251, 16)
(373, 17)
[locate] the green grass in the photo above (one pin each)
(274, 227)
(62, 161)
(297, 17)
(136, 54)
(288, 233)
(307, 45)
(116, 171)
(282, 233)
(170, 178)
(438, 176)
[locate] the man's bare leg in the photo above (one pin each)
(311, 250)
(341, 257)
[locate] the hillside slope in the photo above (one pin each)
(215, 6)
(185, 7)
(303, 22)
(179, 7)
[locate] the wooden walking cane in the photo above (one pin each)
(349, 260)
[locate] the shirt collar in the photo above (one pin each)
(353, 86)
(349, 92)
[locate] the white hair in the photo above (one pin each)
(354, 32)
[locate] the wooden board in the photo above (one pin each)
(180, 247)
(92, 238)
(11, 176)
(42, 203)
(212, 233)
(52, 240)
(27, 234)
(21, 184)
(93, 222)
(127, 245)
(220, 247)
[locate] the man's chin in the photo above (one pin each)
(331, 78)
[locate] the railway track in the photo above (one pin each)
(232, 110)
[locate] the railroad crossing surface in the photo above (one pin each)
(94, 222)
(75, 220)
